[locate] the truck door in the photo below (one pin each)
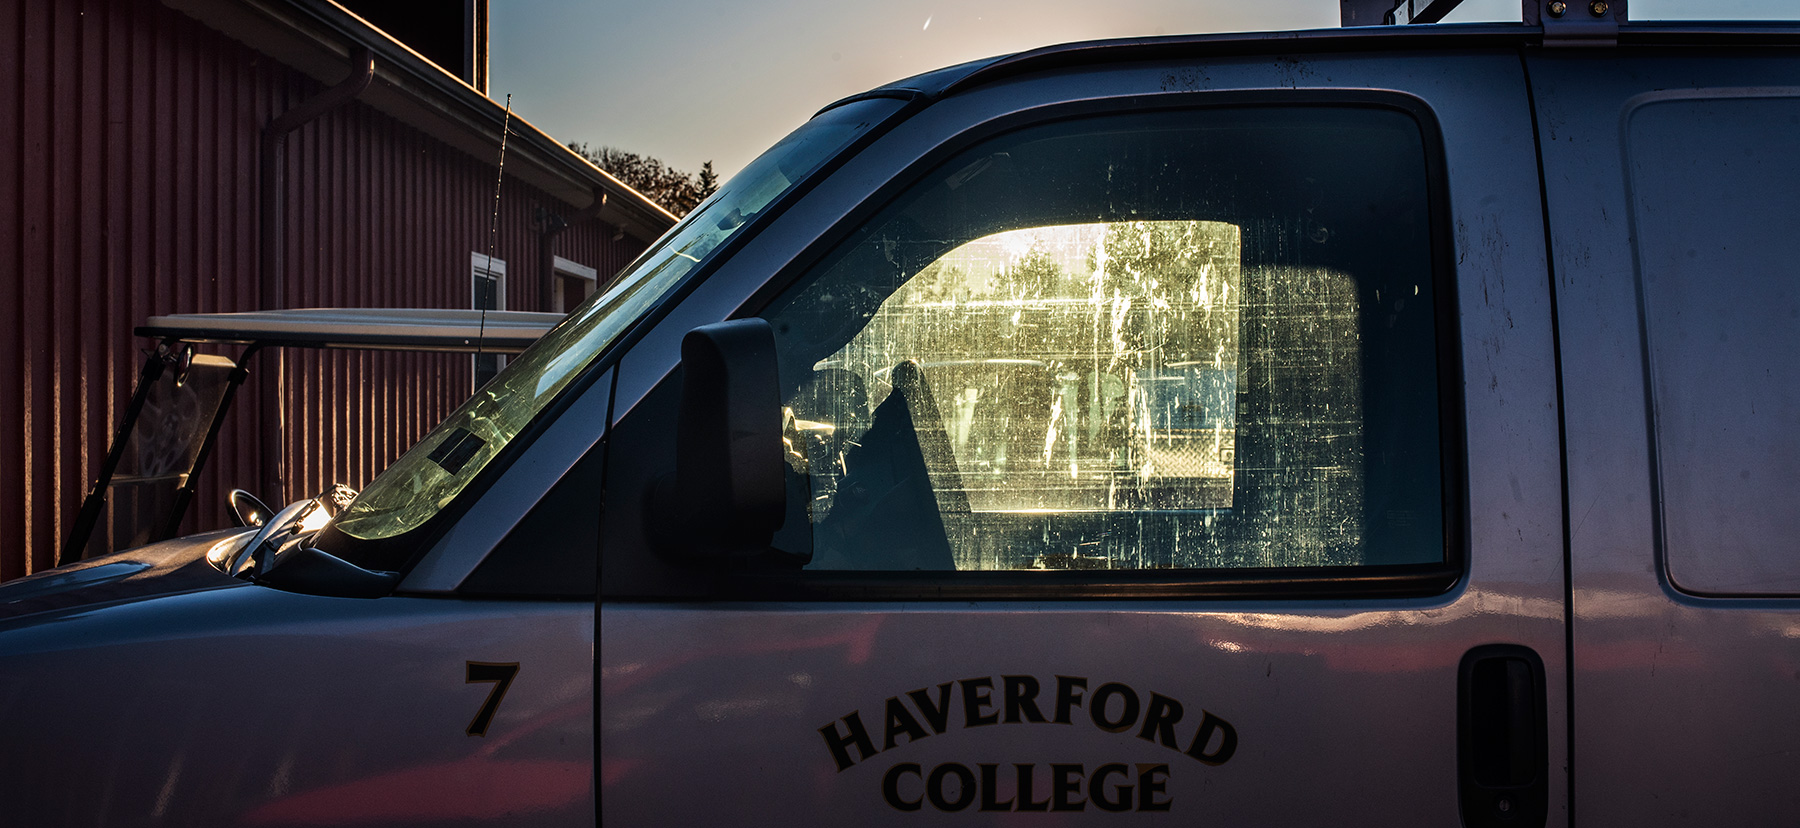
(1670, 178)
(1160, 437)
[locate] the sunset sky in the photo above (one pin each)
(691, 80)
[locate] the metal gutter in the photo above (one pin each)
(273, 217)
(316, 37)
(272, 244)
(550, 227)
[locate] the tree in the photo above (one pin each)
(1175, 287)
(676, 191)
(1034, 276)
(707, 179)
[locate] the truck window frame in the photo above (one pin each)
(754, 581)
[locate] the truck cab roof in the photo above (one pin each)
(950, 80)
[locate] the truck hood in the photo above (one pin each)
(166, 568)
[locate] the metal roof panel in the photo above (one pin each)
(389, 329)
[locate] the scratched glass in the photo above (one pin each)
(1169, 341)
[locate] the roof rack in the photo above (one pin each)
(1599, 16)
(1394, 12)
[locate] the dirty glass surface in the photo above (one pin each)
(1716, 229)
(159, 454)
(1171, 341)
(435, 470)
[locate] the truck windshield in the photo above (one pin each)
(431, 474)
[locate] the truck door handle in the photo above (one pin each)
(1502, 748)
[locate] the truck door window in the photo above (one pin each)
(1181, 340)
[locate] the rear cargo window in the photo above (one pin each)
(1713, 212)
(1181, 340)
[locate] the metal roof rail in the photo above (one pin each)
(1565, 22)
(1577, 22)
(1395, 12)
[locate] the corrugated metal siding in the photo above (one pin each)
(128, 158)
(590, 246)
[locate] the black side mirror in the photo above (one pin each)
(247, 509)
(728, 493)
(311, 571)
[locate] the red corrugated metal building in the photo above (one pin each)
(131, 134)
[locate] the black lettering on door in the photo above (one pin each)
(501, 675)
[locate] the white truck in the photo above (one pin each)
(1386, 426)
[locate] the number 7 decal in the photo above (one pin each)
(502, 676)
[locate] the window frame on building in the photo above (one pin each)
(483, 367)
(565, 271)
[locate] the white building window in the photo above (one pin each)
(487, 290)
(574, 282)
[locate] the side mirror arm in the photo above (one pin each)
(314, 572)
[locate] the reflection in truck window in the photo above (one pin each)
(1191, 382)
(1074, 368)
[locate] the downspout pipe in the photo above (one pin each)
(272, 244)
(554, 225)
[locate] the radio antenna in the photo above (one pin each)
(494, 224)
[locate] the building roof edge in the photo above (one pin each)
(316, 38)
